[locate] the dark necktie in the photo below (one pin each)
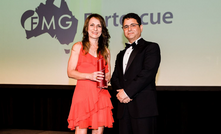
(128, 45)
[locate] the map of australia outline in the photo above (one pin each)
(59, 23)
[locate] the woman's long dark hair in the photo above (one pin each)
(103, 42)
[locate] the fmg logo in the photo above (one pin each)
(58, 22)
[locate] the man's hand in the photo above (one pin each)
(127, 100)
(122, 96)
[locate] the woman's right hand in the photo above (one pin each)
(97, 76)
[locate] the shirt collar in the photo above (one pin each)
(136, 41)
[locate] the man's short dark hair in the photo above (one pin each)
(132, 15)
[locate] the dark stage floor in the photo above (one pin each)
(24, 131)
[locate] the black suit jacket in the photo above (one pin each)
(139, 79)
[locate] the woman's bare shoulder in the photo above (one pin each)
(77, 46)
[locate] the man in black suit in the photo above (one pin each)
(134, 79)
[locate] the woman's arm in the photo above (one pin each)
(108, 74)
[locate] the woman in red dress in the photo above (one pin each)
(91, 106)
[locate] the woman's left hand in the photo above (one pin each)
(107, 76)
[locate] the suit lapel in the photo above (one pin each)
(121, 60)
(134, 53)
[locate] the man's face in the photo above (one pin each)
(132, 30)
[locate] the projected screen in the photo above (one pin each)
(36, 38)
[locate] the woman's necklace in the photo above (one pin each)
(93, 50)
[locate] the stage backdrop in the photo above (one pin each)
(36, 37)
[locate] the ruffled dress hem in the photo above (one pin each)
(96, 114)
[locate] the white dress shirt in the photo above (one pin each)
(126, 58)
(127, 55)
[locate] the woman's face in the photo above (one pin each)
(94, 28)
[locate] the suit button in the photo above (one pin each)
(125, 79)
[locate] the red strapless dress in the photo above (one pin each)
(91, 106)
